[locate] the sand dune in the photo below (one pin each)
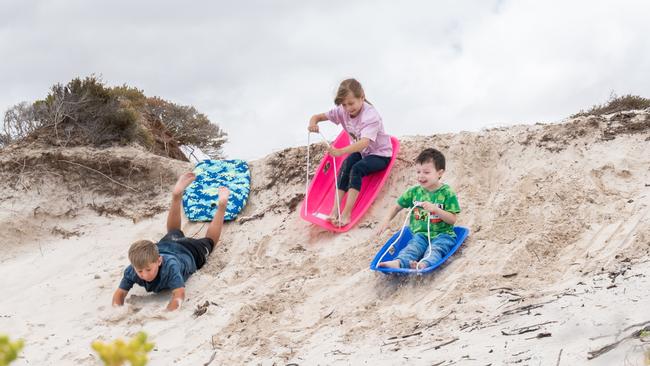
(555, 266)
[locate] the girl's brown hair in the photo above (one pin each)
(349, 86)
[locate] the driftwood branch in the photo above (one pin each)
(98, 172)
(243, 219)
(433, 322)
(526, 308)
(526, 329)
(214, 354)
(611, 346)
(405, 336)
(440, 345)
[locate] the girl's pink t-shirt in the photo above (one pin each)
(367, 124)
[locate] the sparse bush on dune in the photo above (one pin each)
(85, 112)
(9, 350)
(133, 96)
(186, 124)
(644, 335)
(118, 352)
(616, 104)
(19, 121)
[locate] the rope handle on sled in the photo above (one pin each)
(336, 181)
(417, 266)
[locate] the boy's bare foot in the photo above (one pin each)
(420, 266)
(224, 193)
(390, 264)
(183, 181)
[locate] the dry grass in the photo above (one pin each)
(616, 104)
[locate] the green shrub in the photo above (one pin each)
(134, 96)
(187, 125)
(9, 350)
(86, 112)
(118, 352)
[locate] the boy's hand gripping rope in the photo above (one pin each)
(336, 181)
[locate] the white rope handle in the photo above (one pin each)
(307, 174)
(336, 181)
(408, 215)
(417, 267)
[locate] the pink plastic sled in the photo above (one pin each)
(318, 204)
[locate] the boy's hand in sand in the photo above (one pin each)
(224, 193)
(183, 181)
(118, 297)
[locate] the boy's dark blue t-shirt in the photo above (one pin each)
(177, 266)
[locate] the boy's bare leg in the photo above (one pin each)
(214, 229)
(174, 214)
(390, 264)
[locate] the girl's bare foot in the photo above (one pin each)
(345, 219)
(333, 218)
(340, 223)
(395, 263)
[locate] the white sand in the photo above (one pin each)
(559, 206)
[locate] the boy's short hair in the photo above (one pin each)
(431, 155)
(142, 253)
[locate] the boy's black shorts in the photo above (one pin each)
(200, 248)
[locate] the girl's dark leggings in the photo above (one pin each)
(355, 167)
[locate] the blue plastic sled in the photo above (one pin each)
(461, 234)
(200, 198)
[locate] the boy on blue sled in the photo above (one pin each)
(434, 206)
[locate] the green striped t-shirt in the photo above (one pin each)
(444, 197)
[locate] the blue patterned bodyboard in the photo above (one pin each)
(200, 198)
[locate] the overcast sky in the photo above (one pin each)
(260, 69)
